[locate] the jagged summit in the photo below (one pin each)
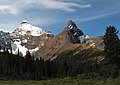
(76, 35)
(71, 23)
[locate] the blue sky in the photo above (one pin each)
(92, 16)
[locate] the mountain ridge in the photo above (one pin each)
(46, 45)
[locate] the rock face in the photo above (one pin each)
(5, 41)
(53, 46)
(76, 35)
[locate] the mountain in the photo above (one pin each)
(70, 38)
(28, 37)
(70, 43)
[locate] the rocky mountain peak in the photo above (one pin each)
(75, 34)
(71, 23)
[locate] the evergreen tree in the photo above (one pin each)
(112, 45)
(115, 71)
(28, 64)
(63, 69)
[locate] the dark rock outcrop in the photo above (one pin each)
(5, 41)
(76, 35)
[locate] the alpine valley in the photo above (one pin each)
(32, 53)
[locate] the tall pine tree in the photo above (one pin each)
(112, 45)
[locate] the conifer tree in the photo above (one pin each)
(112, 45)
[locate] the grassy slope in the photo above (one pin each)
(79, 53)
(65, 81)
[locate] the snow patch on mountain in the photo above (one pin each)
(17, 46)
(33, 50)
(89, 41)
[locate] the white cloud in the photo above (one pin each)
(61, 5)
(19, 5)
(97, 16)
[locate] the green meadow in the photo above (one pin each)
(64, 81)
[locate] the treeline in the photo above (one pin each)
(29, 67)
